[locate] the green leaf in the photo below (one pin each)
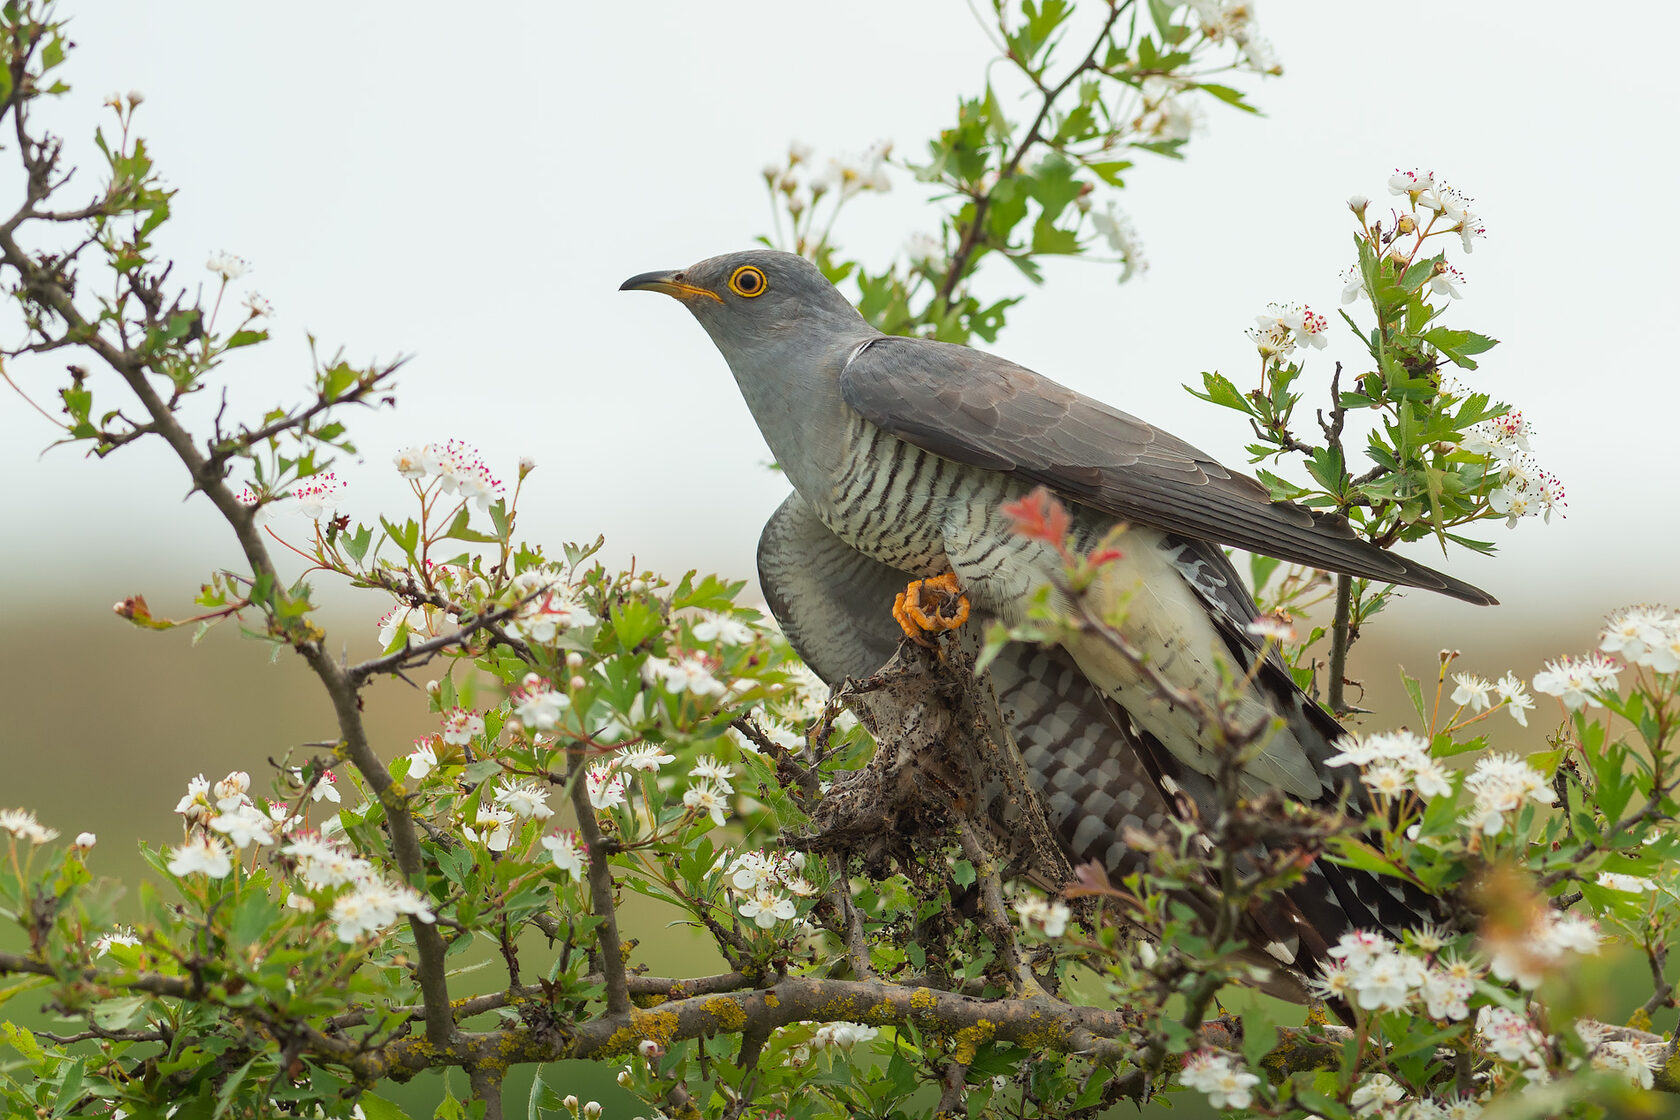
(378, 1108)
(356, 544)
(70, 1087)
(1233, 97)
(1459, 345)
(1414, 690)
(1218, 389)
(245, 338)
(230, 1088)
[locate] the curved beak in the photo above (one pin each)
(668, 283)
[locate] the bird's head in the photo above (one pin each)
(748, 299)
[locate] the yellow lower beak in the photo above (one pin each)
(668, 283)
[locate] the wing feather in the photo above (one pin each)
(981, 410)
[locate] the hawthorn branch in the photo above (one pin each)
(46, 287)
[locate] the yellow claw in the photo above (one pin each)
(928, 606)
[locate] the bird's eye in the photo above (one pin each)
(748, 281)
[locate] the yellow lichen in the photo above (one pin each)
(726, 1013)
(923, 1000)
(1640, 1020)
(883, 1012)
(660, 1026)
(841, 1007)
(771, 1000)
(967, 1042)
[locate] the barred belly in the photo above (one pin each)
(890, 500)
(925, 515)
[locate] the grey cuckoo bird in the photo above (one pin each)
(902, 451)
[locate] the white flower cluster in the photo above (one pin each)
(537, 704)
(497, 824)
(451, 580)
(457, 467)
(854, 174)
(1379, 1092)
(550, 608)
(709, 792)
(1511, 1036)
(759, 880)
(1477, 694)
(119, 935)
(1425, 191)
(777, 730)
(1233, 20)
(1524, 490)
(1577, 681)
(1115, 227)
(926, 253)
(1526, 955)
(460, 727)
(1644, 635)
(1165, 114)
(1049, 915)
(1282, 327)
(318, 495)
(848, 175)
(1637, 1061)
(227, 266)
(228, 809)
(841, 1036)
(21, 823)
(1501, 785)
(1377, 974)
(569, 853)
(1392, 764)
(710, 627)
(687, 672)
(1221, 1076)
(369, 905)
(805, 695)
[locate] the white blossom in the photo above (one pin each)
(707, 797)
(244, 825)
(201, 854)
(22, 824)
(461, 727)
(721, 628)
(537, 704)
(1218, 1074)
(1576, 680)
(227, 266)
(1472, 691)
(604, 786)
(422, 760)
(642, 756)
(568, 854)
(526, 800)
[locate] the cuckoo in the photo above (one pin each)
(902, 453)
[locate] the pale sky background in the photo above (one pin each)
(471, 189)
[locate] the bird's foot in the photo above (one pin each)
(928, 606)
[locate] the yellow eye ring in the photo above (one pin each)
(748, 282)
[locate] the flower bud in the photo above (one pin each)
(85, 840)
(434, 687)
(592, 1110)
(624, 1078)
(571, 1103)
